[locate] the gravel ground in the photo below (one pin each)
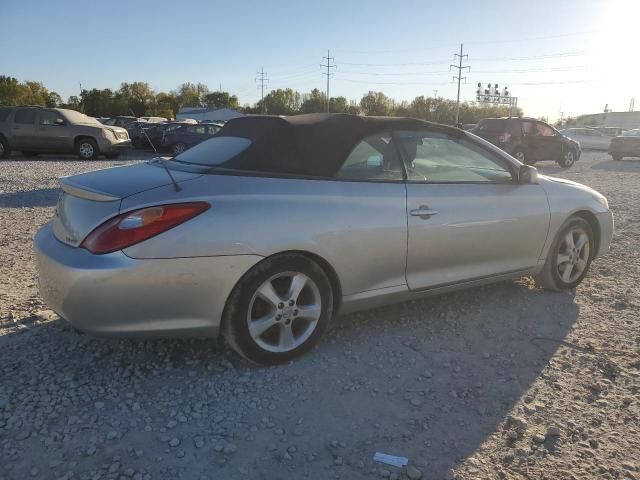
(505, 381)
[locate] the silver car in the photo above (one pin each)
(264, 232)
(589, 138)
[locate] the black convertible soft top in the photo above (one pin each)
(313, 144)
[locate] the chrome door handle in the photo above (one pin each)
(423, 212)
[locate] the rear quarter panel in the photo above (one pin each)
(359, 228)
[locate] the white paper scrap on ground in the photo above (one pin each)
(391, 459)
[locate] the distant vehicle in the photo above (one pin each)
(265, 231)
(34, 130)
(611, 131)
(468, 126)
(154, 119)
(589, 138)
(156, 132)
(119, 121)
(625, 145)
(529, 140)
(135, 131)
(185, 137)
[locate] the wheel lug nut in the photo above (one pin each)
(295, 312)
(278, 317)
(291, 302)
(281, 305)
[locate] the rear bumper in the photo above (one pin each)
(605, 219)
(114, 294)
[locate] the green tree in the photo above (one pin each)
(97, 103)
(314, 102)
(191, 95)
(221, 100)
(54, 100)
(73, 103)
(376, 103)
(282, 102)
(11, 91)
(339, 105)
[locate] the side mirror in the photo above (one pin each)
(58, 121)
(527, 175)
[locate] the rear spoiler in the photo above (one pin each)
(82, 191)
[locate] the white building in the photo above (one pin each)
(205, 113)
(627, 120)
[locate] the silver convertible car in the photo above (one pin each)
(275, 224)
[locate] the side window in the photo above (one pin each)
(440, 158)
(201, 129)
(50, 117)
(529, 128)
(544, 130)
(374, 158)
(25, 116)
(4, 113)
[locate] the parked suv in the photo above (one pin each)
(529, 140)
(34, 130)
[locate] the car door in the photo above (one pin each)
(23, 130)
(54, 132)
(467, 217)
(545, 142)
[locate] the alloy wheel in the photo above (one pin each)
(86, 150)
(573, 255)
(569, 158)
(284, 312)
(520, 156)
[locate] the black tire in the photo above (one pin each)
(5, 149)
(550, 277)
(111, 156)
(177, 148)
(567, 159)
(616, 157)
(29, 154)
(519, 155)
(87, 149)
(237, 313)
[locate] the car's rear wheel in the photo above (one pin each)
(178, 148)
(5, 150)
(616, 157)
(279, 309)
(87, 149)
(568, 158)
(569, 257)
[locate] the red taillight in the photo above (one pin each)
(133, 227)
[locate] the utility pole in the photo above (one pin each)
(328, 66)
(459, 77)
(262, 78)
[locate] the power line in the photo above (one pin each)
(262, 78)
(459, 77)
(535, 57)
(328, 73)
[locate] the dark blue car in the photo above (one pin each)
(185, 137)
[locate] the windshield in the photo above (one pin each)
(214, 151)
(77, 117)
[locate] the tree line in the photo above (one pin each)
(139, 99)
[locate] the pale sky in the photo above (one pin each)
(573, 56)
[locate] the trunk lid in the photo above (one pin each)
(89, 199)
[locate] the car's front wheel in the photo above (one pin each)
(519, 155)
(569, 257)
(568, 158)
(87, 149)
(279, 309)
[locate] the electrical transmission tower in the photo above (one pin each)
(262, 78)
(459, 77)
(328, 73)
